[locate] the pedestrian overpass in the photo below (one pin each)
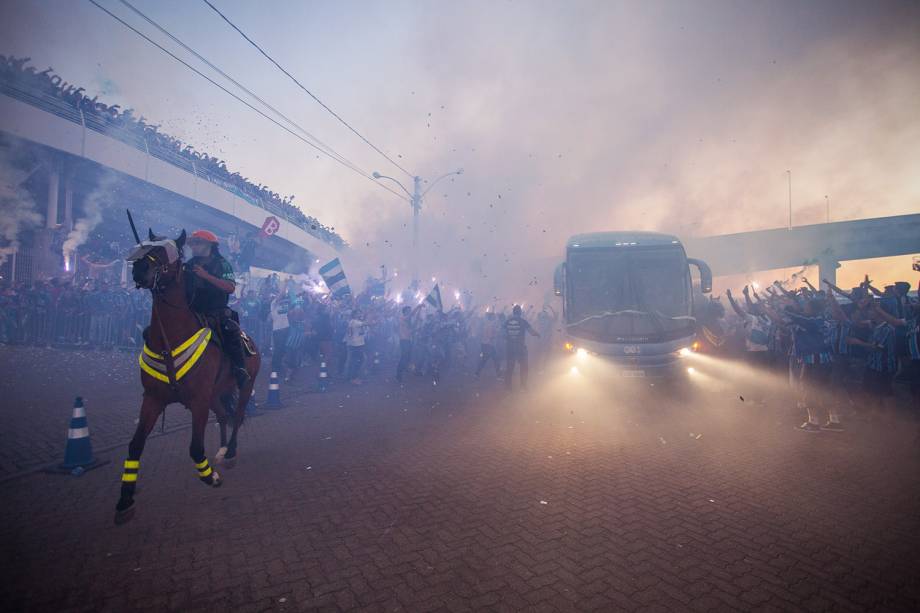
(824, 245)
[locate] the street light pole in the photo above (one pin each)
(415, 201)
(789, 172)
(416, 209)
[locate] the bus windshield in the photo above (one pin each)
(628, 292)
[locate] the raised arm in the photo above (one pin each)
(785, 292)
(836, 289)
(809, 323)
(867, 283)
(877, 311)
(735, 306)
(747, 298)
(810, 286)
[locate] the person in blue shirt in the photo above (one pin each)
(899, 348)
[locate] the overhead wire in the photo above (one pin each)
(228, 92)
(290, 121)
(301, 86)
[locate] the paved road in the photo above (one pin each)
(574, 496)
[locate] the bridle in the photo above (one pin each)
(160, 282)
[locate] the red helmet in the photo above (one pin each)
(205, 235)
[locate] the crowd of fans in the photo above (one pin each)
(839, 348)
(18, 78)
(305, 328)
(292, 321)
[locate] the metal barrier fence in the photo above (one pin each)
(118, 321)
(121, 325)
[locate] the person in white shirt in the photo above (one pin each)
(280, 330)
(354, 342)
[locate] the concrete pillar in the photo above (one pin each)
(827, 269)
(68, 201)
(54, 183)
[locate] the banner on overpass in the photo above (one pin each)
(270, 226)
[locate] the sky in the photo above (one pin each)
(566, 117)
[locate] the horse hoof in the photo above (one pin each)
(123, 517)
(219, 456)
(229, 462)
(216, 481)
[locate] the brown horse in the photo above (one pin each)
(188, 366)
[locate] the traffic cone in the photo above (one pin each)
(274, 393)
(78, 453)
(322, 381)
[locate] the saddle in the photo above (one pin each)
(249, 347)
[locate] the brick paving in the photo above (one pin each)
(459, 497)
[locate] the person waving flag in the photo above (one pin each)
(334, 276)
(434, 298)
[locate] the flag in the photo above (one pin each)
(434, 298)
(334, 277)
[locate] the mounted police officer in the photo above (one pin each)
(214, 282)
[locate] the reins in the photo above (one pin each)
(167, 356)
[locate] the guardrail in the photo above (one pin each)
(112, 129)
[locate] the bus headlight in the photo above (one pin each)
(582, 353)
(686, 351)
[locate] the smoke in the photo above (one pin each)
(640, 121)
(17, 208)
(93, 206)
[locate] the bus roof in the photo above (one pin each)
(620, 239)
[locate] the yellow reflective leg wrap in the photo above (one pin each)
(131, 468)
(204, 470)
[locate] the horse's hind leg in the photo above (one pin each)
(224, 409)
(150, 411)
(238, 415)
(208, 475)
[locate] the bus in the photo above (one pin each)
(628, 298)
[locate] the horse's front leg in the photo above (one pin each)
(200, 409)
(151, 408)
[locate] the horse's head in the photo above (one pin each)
(156, 262)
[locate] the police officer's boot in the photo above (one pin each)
(234, 343)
